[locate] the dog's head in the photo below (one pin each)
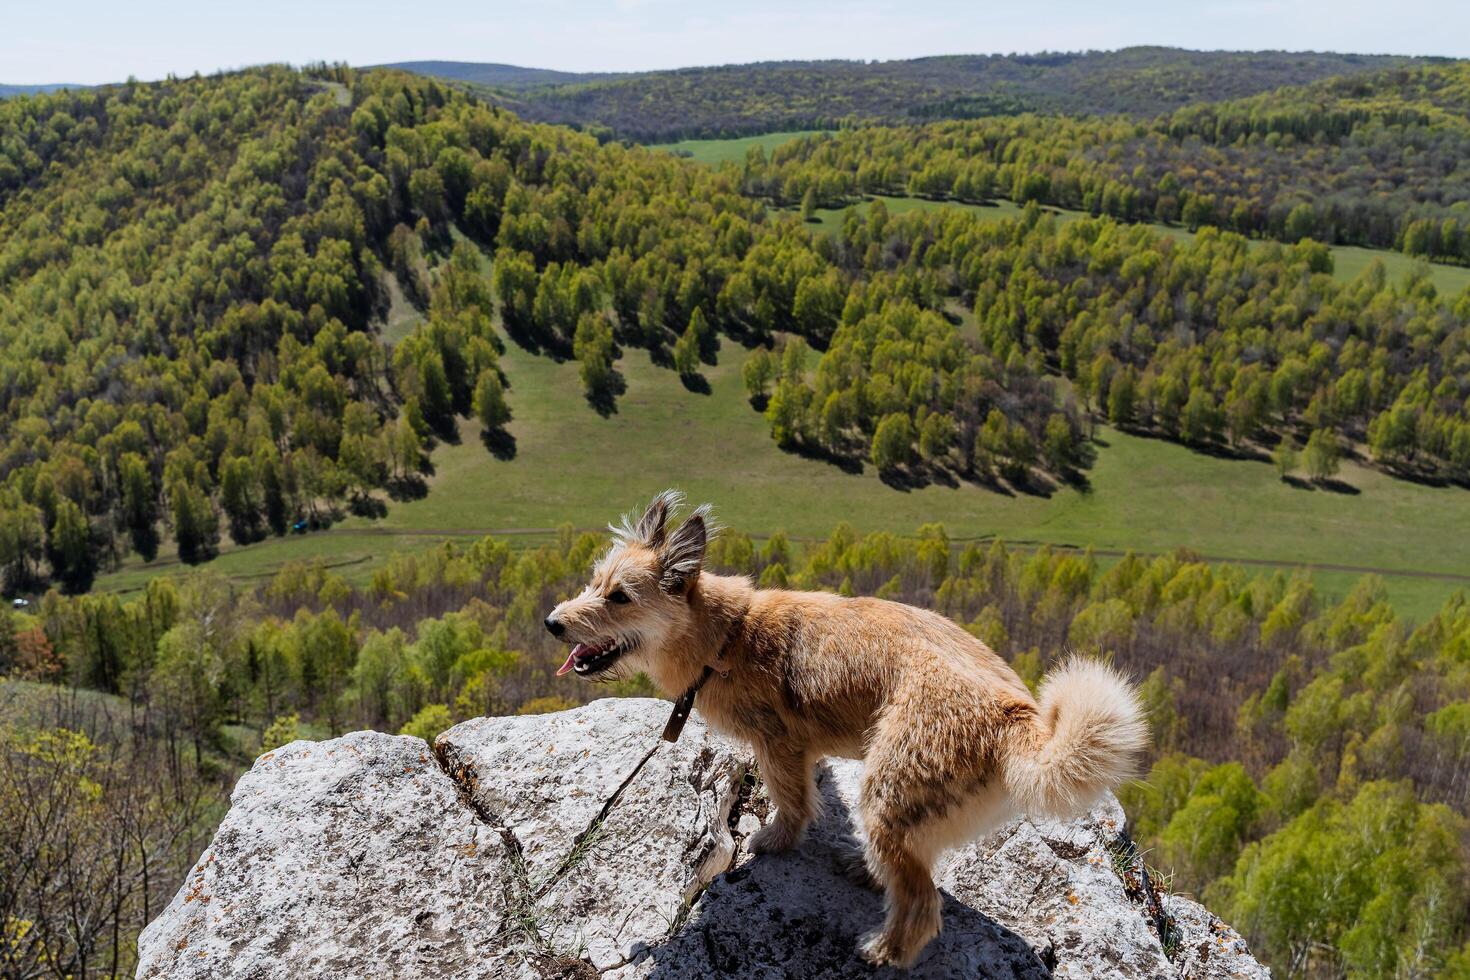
(637, 600)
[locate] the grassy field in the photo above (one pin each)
(1145, 494)
(716, 152)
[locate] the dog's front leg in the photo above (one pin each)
(787, 773)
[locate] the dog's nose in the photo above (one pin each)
(555, 628)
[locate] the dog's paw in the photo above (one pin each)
(848, 856)
(877, 949)
(773, 838)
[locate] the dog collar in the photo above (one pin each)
(683, 706)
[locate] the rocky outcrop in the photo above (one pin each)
(578, 844)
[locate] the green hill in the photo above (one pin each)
(739, 100)
(361, 275)
(494, 75)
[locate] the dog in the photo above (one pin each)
(952, 741)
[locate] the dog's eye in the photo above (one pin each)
(620, 597)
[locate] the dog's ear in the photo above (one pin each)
(651, 527)
(683, 556)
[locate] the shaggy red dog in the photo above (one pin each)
(952, 741)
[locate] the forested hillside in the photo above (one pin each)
(187, 277)
(737, 100)
(194, 273)
(1376, 159)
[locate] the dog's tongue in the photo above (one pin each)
(577, 650)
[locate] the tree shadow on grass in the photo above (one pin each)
(847, 464)
(696, 383)
(500, 443)
(1078, 480)
(366, 506)
(604, 398)
(410, 487)
(1032, 485)
(901, 479)
(1338, 486)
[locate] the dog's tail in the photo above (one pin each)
(1086, 740)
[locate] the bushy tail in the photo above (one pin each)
(1087, 740)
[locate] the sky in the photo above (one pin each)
(90, 41)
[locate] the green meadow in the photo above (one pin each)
(716, 152)
(573, 466)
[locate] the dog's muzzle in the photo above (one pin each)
(587, 659)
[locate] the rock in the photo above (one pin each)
(1206, 948)
(354, 857)
(620, 830)
(578, 843)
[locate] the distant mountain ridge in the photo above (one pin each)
(498, 75)
(7, 91)
(741, 100)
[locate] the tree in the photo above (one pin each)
(1201, 421)
(936, 437)
(1300, 223)
(326, 650)
(686, 350)
(139, 504)
(69, 547)
(593, 348)
(1122, 393)
(818, 304)
(1321, 455)
(22, 540)
(239, 499)
(1059, 444)
(283, 730)
(185, 682)
(1285, 457)
(428, 722)
(758, 372)
(893, 442)
(809, 204)
(196, 527)
(490, 406)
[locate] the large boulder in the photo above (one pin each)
(349, 858)
(578, 844)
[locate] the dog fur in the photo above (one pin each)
(953, 742)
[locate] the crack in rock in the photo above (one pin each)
(576, 852)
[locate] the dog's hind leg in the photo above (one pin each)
(908, 789)
(787, 773)
(911, 901)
